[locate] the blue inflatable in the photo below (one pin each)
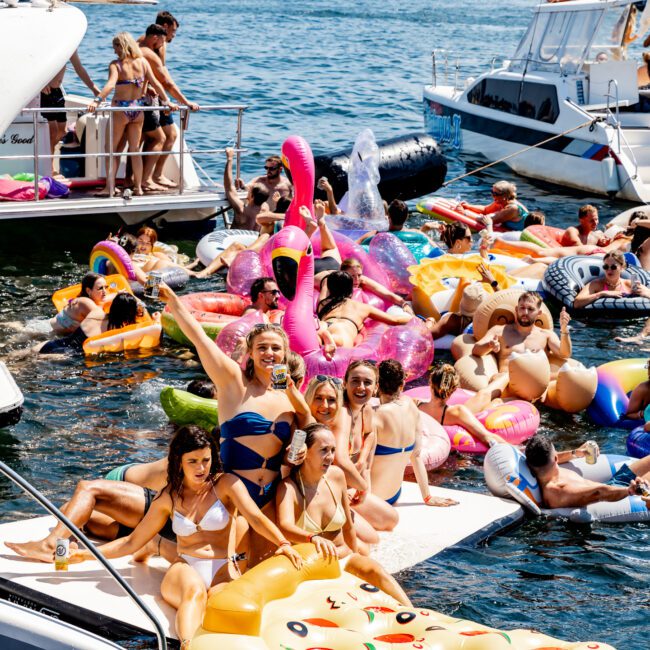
(638, 443)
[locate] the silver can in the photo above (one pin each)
(62, 554)
(592, 452)
(298, 440)
(152, 285)
(280, 376)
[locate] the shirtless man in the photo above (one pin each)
(158, 131)
(639, 399)
(562, 488)
(397, 422)
(264, 295)
(52, 97)
(587, 231)
(245, 211)
(523, 334)
(273, 181)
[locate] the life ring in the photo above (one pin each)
(216, 242)
(616, 379)
(211, 309)
(638, 442)
(508, 475)
(115, 284)
(273, 605)
(515, 421)
(142, 335)
(174, 277)
(565, 278)
(448, 211)
(108, 251)
(182, 408)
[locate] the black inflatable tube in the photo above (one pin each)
(410, 166)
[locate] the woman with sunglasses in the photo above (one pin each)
(257, 420)
(313, 506)
(612, 285)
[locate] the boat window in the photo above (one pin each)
(557, 27)
(535, 101)
(580, 34)
(610, 33)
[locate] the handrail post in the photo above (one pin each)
(240, 114)
(181, 150)
(456, 73)
(434, 77)
(34, 122)
(110, 179)
(52, 509)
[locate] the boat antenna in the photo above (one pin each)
(527, 61)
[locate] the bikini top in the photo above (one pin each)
(307, 523)
(238, 456)
(137, 82)
(385, 450)
(216, 518)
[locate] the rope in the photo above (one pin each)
(516, 153)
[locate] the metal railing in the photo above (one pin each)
(52, 509)
(184, 112)
(614, 121)
(434, 74)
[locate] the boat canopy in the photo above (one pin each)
(562, 36)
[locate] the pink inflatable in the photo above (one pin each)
(298, 160)
(243, 271)
(230, 335)
(435, 442)
(293, 263)
(515, 421)
(394, 258)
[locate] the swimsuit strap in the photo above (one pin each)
(444, 410)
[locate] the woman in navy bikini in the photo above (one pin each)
(128, 75)
(201, 501)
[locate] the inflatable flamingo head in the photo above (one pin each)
(298, 161)
(291, 247)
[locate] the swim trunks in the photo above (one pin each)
(54, 99)
(622, 477)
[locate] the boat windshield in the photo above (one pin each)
(561, 40)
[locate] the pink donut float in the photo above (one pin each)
(435, 442)
(515, 421)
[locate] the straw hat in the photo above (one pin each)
(473, 296)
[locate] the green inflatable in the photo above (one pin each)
(182, 407)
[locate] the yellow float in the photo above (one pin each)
(115, 284)
(143, 334)
(274, 606)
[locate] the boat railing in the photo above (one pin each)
(444, 56)
(110, 155)
(29, 489)
(613, 119)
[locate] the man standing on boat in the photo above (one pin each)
(52, 97)
(158, 131)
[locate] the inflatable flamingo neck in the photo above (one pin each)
(292, 243)
(298, 158)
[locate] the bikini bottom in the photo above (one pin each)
(205, 567)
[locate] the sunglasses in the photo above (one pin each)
(335, 380)
(271, 169)
(275, 292)
(610, 267)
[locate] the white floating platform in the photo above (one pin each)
(422, 532)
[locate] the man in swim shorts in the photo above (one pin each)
(562, 488)
(524, 335)
(587, 231)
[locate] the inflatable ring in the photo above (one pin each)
(508, 475)
(417, 242)
(213, 311)
(116, 283)
(544, 236)
(445, 210)
(143, 335)
(319, 606)
(638, 442)
(565, 278)
(182, 408)
(435, 443)
(174, 277)
(616, 379)
(108, 251)
(216, 242)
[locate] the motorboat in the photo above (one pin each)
(569, 107)
(40, 37)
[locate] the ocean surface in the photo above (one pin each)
(324, 70)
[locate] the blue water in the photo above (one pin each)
(325, 70)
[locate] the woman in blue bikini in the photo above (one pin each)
(128, 75)
(256, 420)
(201, 501)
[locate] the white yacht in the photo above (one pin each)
(566, 108)
(37, 39)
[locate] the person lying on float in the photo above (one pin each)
(523, 335)
(612, 285)
(563, 488)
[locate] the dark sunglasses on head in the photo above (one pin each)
(608, 267)
(335, 380)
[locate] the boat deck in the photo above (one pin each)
(88, 592)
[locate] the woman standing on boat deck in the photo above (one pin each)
(128, 75)
(201, 501)
(313, 506)
(256, 419)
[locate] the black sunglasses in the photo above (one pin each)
(335, 380)
(610, 267)
(271, 169)
(275, 292)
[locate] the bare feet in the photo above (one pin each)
(154, 187)
(40, 551)
(440, 502)
(163, 180)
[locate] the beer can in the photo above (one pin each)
(298, 440)
(62, 554)
(152, 285)
(280, 376)
(642, 490)
(592, 452)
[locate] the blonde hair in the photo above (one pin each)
(316, 382)
(444, 380)
(262, 328)
(506, 189)
(351, 263)
(618, 257)
(129, 48)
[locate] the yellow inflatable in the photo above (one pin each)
(144, 334)
(116, 283)
(273, 606)
(562, 384)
